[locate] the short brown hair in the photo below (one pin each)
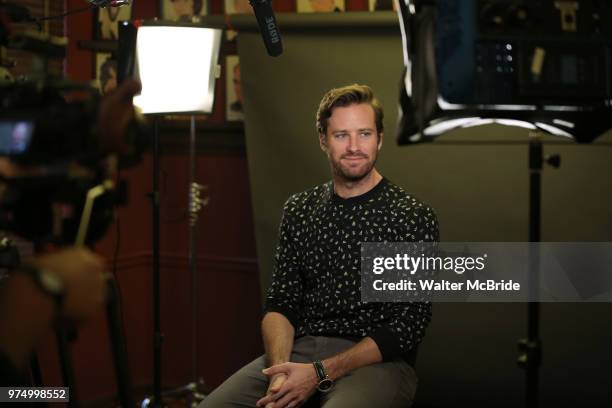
(346, 96)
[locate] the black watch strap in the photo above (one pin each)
(321, 374)
(325, 383)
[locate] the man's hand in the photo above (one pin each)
(276, 382)
(300, 383)
(82, 272)
(27, 313)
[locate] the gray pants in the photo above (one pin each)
(390, 385)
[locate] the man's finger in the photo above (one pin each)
(277, 383)
(277, 369)
(269, 398)
(283, 402)
(272, 397)
(265, 401)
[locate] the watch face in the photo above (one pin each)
(325, 385)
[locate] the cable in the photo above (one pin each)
(68, 13)
(116, 256)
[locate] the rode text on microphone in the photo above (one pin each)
(267, 26)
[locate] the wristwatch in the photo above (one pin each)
(325, 383)
(47, 281)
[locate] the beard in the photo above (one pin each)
(352, 174)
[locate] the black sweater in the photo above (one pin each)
(317, 283)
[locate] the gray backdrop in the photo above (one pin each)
(477, 181)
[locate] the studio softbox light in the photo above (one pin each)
(544, 65)
(177, 66)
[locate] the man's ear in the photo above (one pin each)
(380, 140)
(323, 142)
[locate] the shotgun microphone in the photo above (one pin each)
(267, 26)
(109, 3)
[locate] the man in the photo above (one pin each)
(318, 335)
(182, 7)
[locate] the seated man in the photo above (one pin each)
(319, 337)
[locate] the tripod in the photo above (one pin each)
(10, 255)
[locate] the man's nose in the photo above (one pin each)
(353, 145)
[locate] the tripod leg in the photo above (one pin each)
(61, 335)
(35, 371)
(117, 340)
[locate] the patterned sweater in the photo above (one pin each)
(316, 282)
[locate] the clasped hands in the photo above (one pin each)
(291, 384)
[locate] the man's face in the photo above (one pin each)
(183, 7)
(351, 142)
(321, 6)
(242, 7)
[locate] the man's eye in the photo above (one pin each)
(366, 134)
(340, 135)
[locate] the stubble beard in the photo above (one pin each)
(340, 172)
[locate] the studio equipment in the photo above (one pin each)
(69, 169)
(542, 65)
(177, 66)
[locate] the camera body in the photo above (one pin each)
(38, 126)
(51, 155)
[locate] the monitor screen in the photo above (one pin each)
(15, 136)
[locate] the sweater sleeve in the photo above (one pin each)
(284, 295)
(405, 327)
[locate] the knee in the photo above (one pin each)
(216, 400)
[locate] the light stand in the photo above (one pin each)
(177, 66)
(195, 204)
(158, 336)
(530, 348)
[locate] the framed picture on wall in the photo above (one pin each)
(183, 10)
(233, 90)
(320, 6)
(237, 7)
(382, 5)
(106, 27)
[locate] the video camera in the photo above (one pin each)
(51, 136)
